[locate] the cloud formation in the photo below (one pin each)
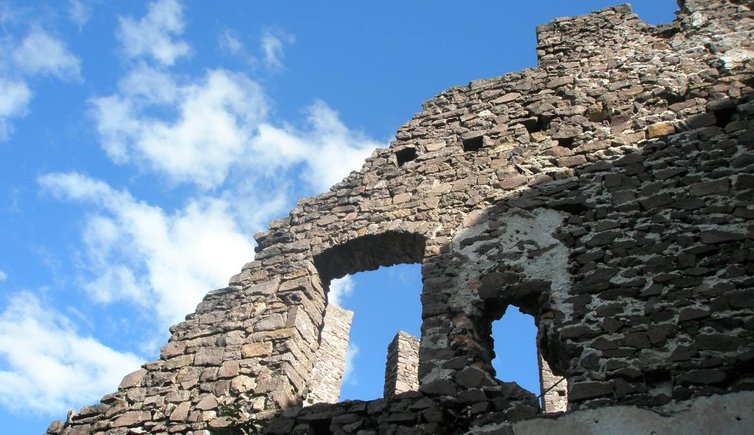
(155, 35)
(139, 253)
(340, 289)
(272, 45)
(14, 100)
(208, 128)
(349, 375)
(41, 53)
(36, 54)
(48, 366)
(79, 11)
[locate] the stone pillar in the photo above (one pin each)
(330, 364)
(554, 388)
(402, 368)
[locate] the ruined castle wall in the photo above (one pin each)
(608, 193)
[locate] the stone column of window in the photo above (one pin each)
(402, 368)
(327, 374)
(554, 388)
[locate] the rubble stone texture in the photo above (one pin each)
(609, 193)
(324, 386)
(402, 367)
(554, 388)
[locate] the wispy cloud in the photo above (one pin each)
(214, 119)
(41, 53)
(80, 11)
(3, 276)
(220, 122)
(326, 145)
(36, 53)
(230, 43)
(137, 252)
(155, 35)
(349, 376)
(48, 367)
(340, 289)
(272, 45)
(14, 99)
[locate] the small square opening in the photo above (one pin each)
(473, 143)
(405, 155)
(566, 142)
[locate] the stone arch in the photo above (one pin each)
(365, 253)
(369, 252)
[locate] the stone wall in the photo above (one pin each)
(607, 192)
(331, 357)
(402, 367)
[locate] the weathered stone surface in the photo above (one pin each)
(132, 379)
(132, 418)
(660, 129)
(250, 350)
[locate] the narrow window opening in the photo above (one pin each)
(405, 155)
(473, 144)
(515, 348)
(383, 302)
(517, 359)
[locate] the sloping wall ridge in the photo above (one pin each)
(609, 193)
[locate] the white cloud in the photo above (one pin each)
(272, 46)
(349, 376)
(210, 131)
(3, 276)
(230, 43)
(153, 35)
(14, 100)
(329, 148)
(137, 252)
(38, 53)
(340, 289)
(79, 11)
(48, 366)
(41, 53)
(220, 122)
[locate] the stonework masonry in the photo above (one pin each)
(331, 356)
(402, 367)
(554, 389)
(608, 192)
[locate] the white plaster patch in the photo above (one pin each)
(736, 57)
(535, 231)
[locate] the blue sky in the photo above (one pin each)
(143, 143)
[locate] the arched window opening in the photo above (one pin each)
(373, 286)
(386, 310)
(515, 347)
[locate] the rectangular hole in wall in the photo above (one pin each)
(405, 155)
(473, 144)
